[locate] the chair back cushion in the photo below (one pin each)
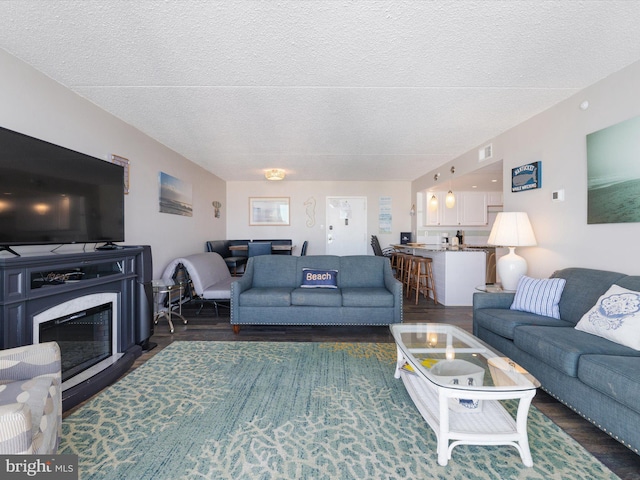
(259, 248)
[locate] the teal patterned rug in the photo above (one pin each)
(261, 410)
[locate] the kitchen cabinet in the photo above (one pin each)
(470, 209)
(494, 199)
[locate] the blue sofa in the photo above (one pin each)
(597, 378)
(270, 292)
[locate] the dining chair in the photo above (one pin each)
(259, 248)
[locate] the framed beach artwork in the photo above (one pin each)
(613, 173)
(175, 196)
(268, 210)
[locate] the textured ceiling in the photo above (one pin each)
(327, 90)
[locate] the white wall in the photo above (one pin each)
(238, 194)
(557, 137)
(35, 105)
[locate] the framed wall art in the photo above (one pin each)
(613, 173)
(268, 211)
(175, 196)
(526, 177)
(124, 163)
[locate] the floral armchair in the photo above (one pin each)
(30, 399)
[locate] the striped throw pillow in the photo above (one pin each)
(540, 296)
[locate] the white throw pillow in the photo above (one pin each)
(539, 295)
(616, 317)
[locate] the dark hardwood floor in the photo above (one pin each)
(206, 326)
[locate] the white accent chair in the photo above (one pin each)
(210, 277)
(30, 399)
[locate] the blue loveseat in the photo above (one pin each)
(270, 292)
(596, 377)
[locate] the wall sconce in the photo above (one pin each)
(274, 174)
(216, 205)
(412, 212)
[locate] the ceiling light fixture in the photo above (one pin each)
(450, 199)
(274, 174)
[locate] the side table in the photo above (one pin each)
(174, 292)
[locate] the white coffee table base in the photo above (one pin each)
(491, 426)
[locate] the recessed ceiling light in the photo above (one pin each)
(474, 186)
(494, 181)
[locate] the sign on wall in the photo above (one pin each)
(526, 177)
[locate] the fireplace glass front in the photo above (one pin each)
(85, 338)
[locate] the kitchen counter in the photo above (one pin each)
(457, 271)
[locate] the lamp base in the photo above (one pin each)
(510, 269)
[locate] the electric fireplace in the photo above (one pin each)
(86, 329)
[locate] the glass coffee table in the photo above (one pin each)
(456, 381)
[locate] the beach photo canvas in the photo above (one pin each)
(613, 173)
(175, 196)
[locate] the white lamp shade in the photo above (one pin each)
(512, 229)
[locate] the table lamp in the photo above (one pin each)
(511, 229)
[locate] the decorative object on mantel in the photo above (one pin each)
(613, 173)
(274, 174)
(310, 205)
(124, 163)
(175, 196)
(216, 205)
(511, 229)
(526, 177)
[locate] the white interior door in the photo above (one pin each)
(346, 226)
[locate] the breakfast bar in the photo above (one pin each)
(457, 271)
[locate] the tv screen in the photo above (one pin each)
(52, 195)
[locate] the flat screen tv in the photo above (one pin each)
(52, 195)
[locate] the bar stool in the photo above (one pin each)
(407, 266)
(420, 278)
(396, 262)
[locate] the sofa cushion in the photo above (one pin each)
(316, 278)
(362, 271)
(504, 322)
(367, 297)
(562, 347)
(616, 317)
(266, 297)
(318, 297)
(539, 295)
(615, 376)
(583, 287)
(274, 271)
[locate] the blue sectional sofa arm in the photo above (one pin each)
(271, 292)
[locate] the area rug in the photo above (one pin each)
(264, 410)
